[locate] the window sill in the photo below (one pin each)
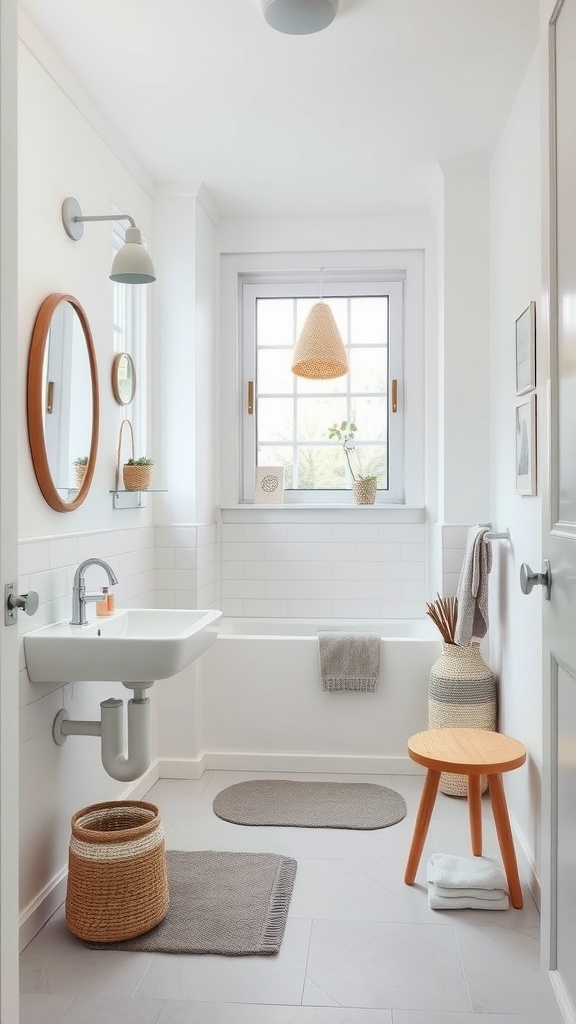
(322, 513)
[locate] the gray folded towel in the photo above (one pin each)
(473, 587)
(349, 661)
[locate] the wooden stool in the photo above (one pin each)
(470, 752)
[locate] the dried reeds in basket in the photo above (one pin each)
(444, 613)
(117, 879)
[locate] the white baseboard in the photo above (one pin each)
(272, 762)
(526, 864)
(562, 999)
(46, 903)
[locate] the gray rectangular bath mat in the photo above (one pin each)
(235, 904)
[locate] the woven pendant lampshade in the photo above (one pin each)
(320, 352)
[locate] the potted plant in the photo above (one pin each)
(137, 473)
(80, 466)
(364, 487)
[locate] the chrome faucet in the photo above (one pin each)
(79, 596)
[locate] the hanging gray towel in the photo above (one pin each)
(473, 587)
(349, 661)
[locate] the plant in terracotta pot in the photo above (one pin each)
(80, 466)
(137, 473)
(364, 487)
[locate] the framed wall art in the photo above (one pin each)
(526, 350)
(526, 446)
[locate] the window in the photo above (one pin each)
(292, 416)
(129, 330)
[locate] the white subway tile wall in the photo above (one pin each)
(452, 555)
(187, 566)
(324, 570)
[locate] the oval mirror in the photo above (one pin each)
(63, 404)
(123, 378)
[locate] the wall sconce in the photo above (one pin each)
(320, 353)
(132, 263)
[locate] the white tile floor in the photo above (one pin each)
(360, 947)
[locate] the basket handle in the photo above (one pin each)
(122, 425)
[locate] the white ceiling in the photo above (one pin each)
(348, 121)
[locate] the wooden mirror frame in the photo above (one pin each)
(115, 386)
(35, 401)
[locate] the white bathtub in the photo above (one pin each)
(263, 707)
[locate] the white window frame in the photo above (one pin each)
(335, 285)
(134, 342)
(420, 429)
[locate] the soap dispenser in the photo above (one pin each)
(105, 606)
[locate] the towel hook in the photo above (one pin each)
(495, 536)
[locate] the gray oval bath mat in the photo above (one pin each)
(361, 805)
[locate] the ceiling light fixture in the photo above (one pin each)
(299, 17)
(320, 353)
(132, 263)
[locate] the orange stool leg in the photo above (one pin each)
(427, 801)
(475, 813)
(500, 812)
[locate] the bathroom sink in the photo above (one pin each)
(135, 645)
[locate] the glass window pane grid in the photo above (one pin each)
(348, 394)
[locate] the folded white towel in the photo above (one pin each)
(472, 591)
(452, 872)
(476, 894)
(436, 902)
(349, 661)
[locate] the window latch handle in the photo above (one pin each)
(394, 396)
(250, 397)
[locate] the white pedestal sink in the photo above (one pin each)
(135, 645)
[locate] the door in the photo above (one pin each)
(559, 535)
(8, 515)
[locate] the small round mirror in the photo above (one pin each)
(123, 378)
(63, 409)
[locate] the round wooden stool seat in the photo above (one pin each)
(470, 752)
(466, 751)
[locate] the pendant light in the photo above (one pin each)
(320, 353)
(299, 17)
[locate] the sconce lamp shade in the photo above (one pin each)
(319, 353)
(132, 264)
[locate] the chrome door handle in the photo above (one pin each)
(26, 602)
(530, 579)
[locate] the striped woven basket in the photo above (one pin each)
(461, 695)
(117, 882)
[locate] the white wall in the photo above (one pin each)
(515, 280)
(61, 155)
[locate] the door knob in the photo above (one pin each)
(26, 602)
(530, 579)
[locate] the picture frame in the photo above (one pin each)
(525, 334)
(526, 446)
(269, 488)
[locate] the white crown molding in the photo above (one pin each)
(189, 190)
(40, 48)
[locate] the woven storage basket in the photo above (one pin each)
(461, 695)
(117, 882)
(135, 478)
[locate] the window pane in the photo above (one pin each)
(321, 468)
(368, 369)
(274, 372)
(275, 321)
(371, 460)
(370, 417)
(337, 385)
(271, 455)
(275, 419)
(303, 307)
(369, 321)
(315, 416)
